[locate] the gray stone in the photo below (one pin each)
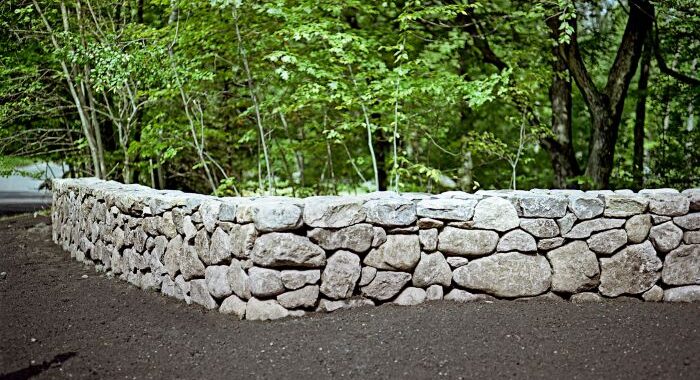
(188, 228)
(634, 270)
(199, 293)
(665, 237)
(166, 226)
(257, 310)
(541, 228)
(173, 251)
(547, 244)
(586, 297)
(333, 212)
(587, 227)
(400, 252)
(690, 293)
(379, 237)
(367, 275)
(546, 297)
(428, 239)
(495, 213)
(688, 222)
(238, 279)
(574, 268)
(219, 249)
(637, 228)
(586, 207)
(669, 205)
(357, 238)
(216, 277)
(457, 261)
(693, 198)
(390, 212)
(463, 225)
(459, 295)
(516, 240)
(655, 294)
(623, 206)
(434, 293)
(428, 223)
(271, 216)
(658, 219)
(411, 296)
(278, 249)
(508, 274)
(660, 191)
(264, 282)
(682, 266)
(190, 265)
(242, 239)
(295, 279)
(566, 223)
(546, 206)
(691, 237)
(385, 285)
(227, 210)
(328, 306)
(340, 275)
(304, 297)
(461, 242)
(234, 306)
(432, 269)
(170, 289)
(447, 209)
(607, 242)
(209, 210)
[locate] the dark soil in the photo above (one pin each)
(56, 324)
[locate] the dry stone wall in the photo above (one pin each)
(271, 257)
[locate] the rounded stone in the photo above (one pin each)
(574, 268)
(634, 270)
(411, 296)
(340, 275)
(637, 228)
(462, 242)
(607, 242)
(495, 213)
(432, 269)
(682, 266)
(517, 240)
(666, 236)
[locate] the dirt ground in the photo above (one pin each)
(56, 324)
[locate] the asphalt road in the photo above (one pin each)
(16, 202)
(56, 324)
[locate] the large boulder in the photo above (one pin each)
(462, 242)
(633, 270)
(447, 209)
(495, 213)
(432, 269)
(333, 212)
(283, 249)
(682, 266)
(400, 252)
(385, 285)
(340, 275)
(666, 236)
(390, 212)
(574, 268)
(607, 242)
(357, 238)
(507, 274)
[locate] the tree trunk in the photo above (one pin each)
(640, 117)
(561, 150)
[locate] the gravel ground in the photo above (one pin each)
(60, 319)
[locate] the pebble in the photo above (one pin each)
(3, 275)
(84, 276)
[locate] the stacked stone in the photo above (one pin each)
(271, 257)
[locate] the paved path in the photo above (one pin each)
(55, 324)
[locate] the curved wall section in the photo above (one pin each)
(270, 257)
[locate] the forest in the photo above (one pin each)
(304, 97)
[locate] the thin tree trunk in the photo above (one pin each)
(640, 117)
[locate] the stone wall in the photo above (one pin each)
(270, 257)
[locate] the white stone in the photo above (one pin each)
(459, 295)
(257, 310)
(190, 265)
(434, 293)
(385, 285)
(400, 252)
(304, 297)
(264, 282)
(216, 277)
(447, 209)
(541, 228)
(688, 222)
(566, 223)
(199, 293)
(379, 237)
(209, 210)
(637, 228)
(295, 279)
(271, 216)
(665, 237)
(411, 296)
(242, 238)
(690, 293)
(367, 275)
(682, 266)
(457, 261)
(357, 238)
(333, 212)
(390, 212)
(586, 207)
(547, 244)
(607, 242)
(277, 249)
(574, 268)
(516, 240)
(219, 248)
(428, 239)
(238, 279)
(546, 206)
(234, 306)
(587, 227)
(669, 204)
(432, 269)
